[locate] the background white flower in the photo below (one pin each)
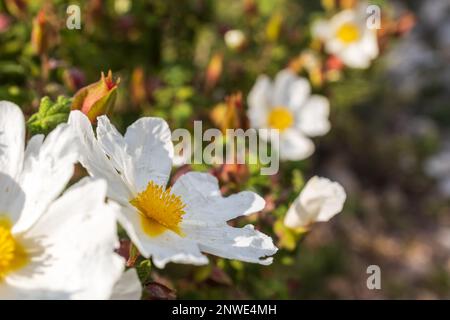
(320, 200)
(169, 225)
(287, 105)
(347, 36)
(234, 39)
(51, 247)
(438, 167)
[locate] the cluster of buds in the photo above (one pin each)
(93, 100)
(50, 114)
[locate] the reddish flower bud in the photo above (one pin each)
(45, 31)
(214, 70)
(98, 98)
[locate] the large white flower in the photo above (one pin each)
(169, 225)
(51, 246)
(320, 200)
(287, 105)
(347, 36)
(128, 287)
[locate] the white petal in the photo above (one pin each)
(12, 198)
(33, 147)
(282, 87)
(165, 248)
(128, 287)
(114, 145)
(321, 29)
(46, 172)
(294, 145)
(259, 101)
(74, 244)
(150, 144)
(245, 244)
(298, 93)
(201, 194)
(369, 44)
(207, 213)
(13, 292)
(354, 57)
(12, 139)
(334, 46)
(313, 116)
(343, 17)
(95, 160)
(320, 200)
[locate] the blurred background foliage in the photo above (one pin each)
(387, 122)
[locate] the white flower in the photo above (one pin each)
(234, 39)
(287, 105)
(128, 287)
(169, 225)
(320, 200)
(51, 246)
(347, 36)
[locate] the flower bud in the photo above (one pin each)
(45, 31)
(229, 115)
(273, 27)
(137, 86)
(97, 98)
(214, 70)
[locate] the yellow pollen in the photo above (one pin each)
(159, 209)
(12, 254)
(348, 33)
(280, 118)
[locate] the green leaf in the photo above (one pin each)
(144, 269)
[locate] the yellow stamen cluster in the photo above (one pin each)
(160, 210)
(280, 118)
(348, 33)
(12, 255)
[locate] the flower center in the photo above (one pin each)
(160, 210)
(280, 118)
(12, 254)
(348, 33)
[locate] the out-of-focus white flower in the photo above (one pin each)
(438, 167)
(434, 12)
(51, 246)
(347, 36)
(410, 65)
(287, 105)
(320, 200)
(234, 39)
(175, 224)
